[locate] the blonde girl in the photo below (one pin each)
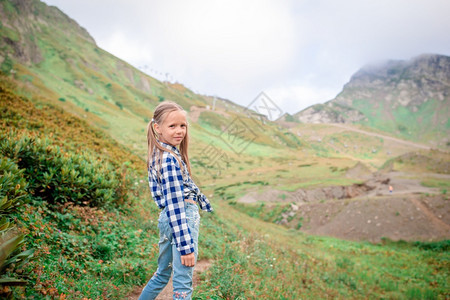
(178, 198)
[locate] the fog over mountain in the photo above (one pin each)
(408, 98)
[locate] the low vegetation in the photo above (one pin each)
(267, 261)
(91, 231)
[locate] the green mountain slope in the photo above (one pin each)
(56, 59)
(408, 99)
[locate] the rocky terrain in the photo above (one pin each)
(35, 17)
(366, 211)
(400, 83)
(407, 98)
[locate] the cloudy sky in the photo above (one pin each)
(298, 52)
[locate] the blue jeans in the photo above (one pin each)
(170, 258)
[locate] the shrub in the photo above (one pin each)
(120, 105)
(60, 177)
(439, 246)
(12, 195)
(12, 186)
(6, 65)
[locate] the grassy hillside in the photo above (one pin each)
(73, 121)
(102, 252)
(421, 125)
(271, 262)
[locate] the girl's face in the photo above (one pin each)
(173, 129)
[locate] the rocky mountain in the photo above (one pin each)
(410, 99)
(19, 35)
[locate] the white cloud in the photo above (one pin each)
(136, 51)
(295, 97)
(299, 52)
(229, 42)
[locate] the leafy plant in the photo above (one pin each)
(11, 255)
(59, 177)
(12, 186)
(12, 196)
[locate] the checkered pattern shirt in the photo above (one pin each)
(169, 188)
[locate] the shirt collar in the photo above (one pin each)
(171, 148)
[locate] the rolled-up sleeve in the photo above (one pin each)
(172, 186)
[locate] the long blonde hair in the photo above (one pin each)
(155, 150)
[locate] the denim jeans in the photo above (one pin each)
(170, 259)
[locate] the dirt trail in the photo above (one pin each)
(166, 294)
(442, 226)
(381, 136)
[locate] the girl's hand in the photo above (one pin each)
(188, 260)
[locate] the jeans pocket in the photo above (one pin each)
(164, 227)
(193, 222)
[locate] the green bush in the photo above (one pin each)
(12, 196)
(60, 177)
(6, 66)
(438, 246)
(12, 186)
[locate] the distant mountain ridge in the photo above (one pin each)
(410, 99)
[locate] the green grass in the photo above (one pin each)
(376, 116)
(418, 125)
(437, 183)
(286, 264)
(266, 212)
(442, 184)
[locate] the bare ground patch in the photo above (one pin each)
(367, 211)
(394, 217)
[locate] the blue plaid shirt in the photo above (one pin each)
(170, 189)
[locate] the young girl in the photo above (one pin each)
(177, 196)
